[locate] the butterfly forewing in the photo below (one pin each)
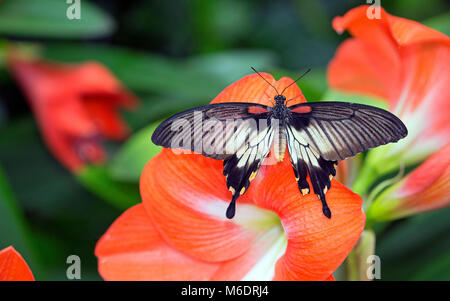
(337, 130)
(216, 131)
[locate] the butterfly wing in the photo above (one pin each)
(216, 131)
(238, 133)
(337, 130)
(321, 133)
(241, 168)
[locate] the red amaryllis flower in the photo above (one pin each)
(13, 267)
(426, 188)
(180, 231)
(405, 63)
(75, 106)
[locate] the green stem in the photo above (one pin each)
(352, 267)
(357, 264)
(365, 179)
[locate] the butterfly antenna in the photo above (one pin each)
(265, 80)
(306, 72)
(287, 101)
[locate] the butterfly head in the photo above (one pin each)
(280, 99)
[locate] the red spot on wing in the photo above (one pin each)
(302, 110)
(257, 110)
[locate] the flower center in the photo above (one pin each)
(272, 242)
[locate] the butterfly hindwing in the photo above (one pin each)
(321, 133)
(305, 159)
(241, 168)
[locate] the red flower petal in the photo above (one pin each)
(316, 245)
(105, 117)
(13, 267)
(252, 88)
(258, 262)
(132, 249)
(404, 62)
(353, 70)
(186, 196)
(402, 30)
(75, 106)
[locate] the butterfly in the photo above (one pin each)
(317, 136)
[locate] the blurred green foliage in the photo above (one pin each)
(173, 55)
(48, 19)
(128, 163)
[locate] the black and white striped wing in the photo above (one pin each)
(319, 134)
(238, 133)
(216, 131)
(305, 159)
(241, 168)
(337, 130)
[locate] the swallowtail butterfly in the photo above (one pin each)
(316, 134)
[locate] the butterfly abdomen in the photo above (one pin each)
(280, 144)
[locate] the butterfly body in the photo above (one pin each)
(280, 114)
(316, 135)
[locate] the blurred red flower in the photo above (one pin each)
(75, 106)
(405, 63)
(180, 231)
(13, 267)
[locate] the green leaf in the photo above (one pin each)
(98, 180)
(201, 77)
(63, 217)
(48, 18)
(230, 66)
(15, 230)
(127, 165)
(416, 248)
(153, 108)
(2, 53)
(333, 95)
(440, 23)
(141, 71)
